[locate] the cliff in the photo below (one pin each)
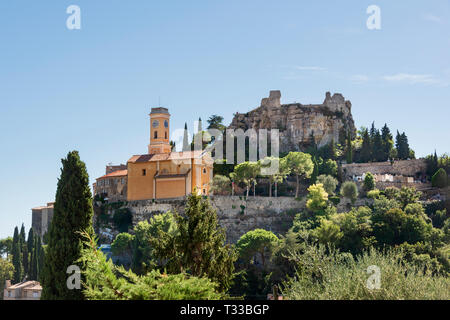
(328, 121)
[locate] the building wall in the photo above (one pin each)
(41, 219)
(142, 187)
(402, 167)
(170, 188)
(114, 187)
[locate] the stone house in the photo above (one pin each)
(27, 290)
(113, 185)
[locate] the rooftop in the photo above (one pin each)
(118, 173)
(167, 156)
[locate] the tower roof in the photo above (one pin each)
(159, 110)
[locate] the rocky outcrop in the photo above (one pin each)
(298, 123)
(237, 215)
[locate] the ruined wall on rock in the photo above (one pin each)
(297, 122)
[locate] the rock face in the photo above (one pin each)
(297, 123)
(237, 215)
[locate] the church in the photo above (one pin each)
(160, 173)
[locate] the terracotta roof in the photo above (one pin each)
(24, 285)
(183, 155)
(35, 287)
(118, 173)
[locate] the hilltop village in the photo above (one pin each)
(358, 191)
(161, 179)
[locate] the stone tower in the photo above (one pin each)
(159, 131)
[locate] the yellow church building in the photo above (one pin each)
(162, 173)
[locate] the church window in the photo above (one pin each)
(165, 135)
(155, 135)
(144, 172)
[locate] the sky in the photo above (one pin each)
(91, 89)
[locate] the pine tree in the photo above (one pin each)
(199, 247)
(17, 257)
(72, 215)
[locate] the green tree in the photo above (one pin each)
(24, 250)
(439, 179)
(34, 259)
(369, 182)
(215, 122)
(6, 273)
(221, 184)
(317, 198)
(366, 147)
(256, 242)
(315, 172)
(377, 147)
(327, 232)
(408, 195)
(242, 174)
(402, 146)
(154, 239)
(123, 245)
(30, 247)
(198, 247)
(328, 167)
(301, 165)
(72, 214)
(279, 175)
(16, 253)
(387, 142)
(329, 183)
(348, 149)
(6, 246)
(349, 190)
(105, 281)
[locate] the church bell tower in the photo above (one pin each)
(159, 131)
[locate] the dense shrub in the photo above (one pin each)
(324, 275)
(439, 179)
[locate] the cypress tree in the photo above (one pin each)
(377, 148)
(388, 143)
(33, 261)
(186, 145)
(72, 214)
(17, 257)
(24, 251)
(40, 256)
(366, 153)
(349, 149)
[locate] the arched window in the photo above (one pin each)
(155, 135)
(165, 135)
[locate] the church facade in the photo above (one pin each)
(161, 173)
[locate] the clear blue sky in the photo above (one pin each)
(92, 89)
